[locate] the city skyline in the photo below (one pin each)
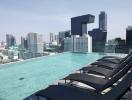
(21, 17)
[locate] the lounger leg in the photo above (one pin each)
(37, 97)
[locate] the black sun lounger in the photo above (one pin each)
(65, 92)
(68, 92)
(108, 64)
(97, 82)
(104, 70)
(104, 64)
(114, 60)
(97, 71)
(111, 57)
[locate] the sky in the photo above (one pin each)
(19, 17)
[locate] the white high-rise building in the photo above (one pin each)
(78, 43)
(68, 43)
(40, 43)
(35, 43)
(54, 40)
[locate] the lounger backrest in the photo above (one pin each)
(118, 75)
(120, 66)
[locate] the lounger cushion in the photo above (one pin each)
(104, 64)
(64, 92)
(99, 71)
(95, 82)
(112, 57)
(115, 61)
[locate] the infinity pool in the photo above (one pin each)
(22, 79)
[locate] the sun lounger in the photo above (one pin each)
(115, 60)
(68, 92)
(97, 82)
(108, 71)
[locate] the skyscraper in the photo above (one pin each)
(103, 21)
(24, 43)
(79, 24)
(129, 36)
(10, 40)
(98, 39)
(56, 37)
(35, 43)
(51, 37)
(78, 43)
(40, 43)
(64, 34)
(99, 35)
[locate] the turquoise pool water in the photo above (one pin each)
(22, 79)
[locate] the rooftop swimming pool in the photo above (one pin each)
(21, 79)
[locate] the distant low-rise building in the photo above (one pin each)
(2, 46)
(116, 45)
(110, 46)
(121, 46)
(13, 53)
(9, 55)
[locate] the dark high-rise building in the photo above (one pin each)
(103, 21)
(10, 40)
(98, 40)
(51, 37)
(64, 34)
(24, 43)
(129, 36)
(79, 24)
(99, 35)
